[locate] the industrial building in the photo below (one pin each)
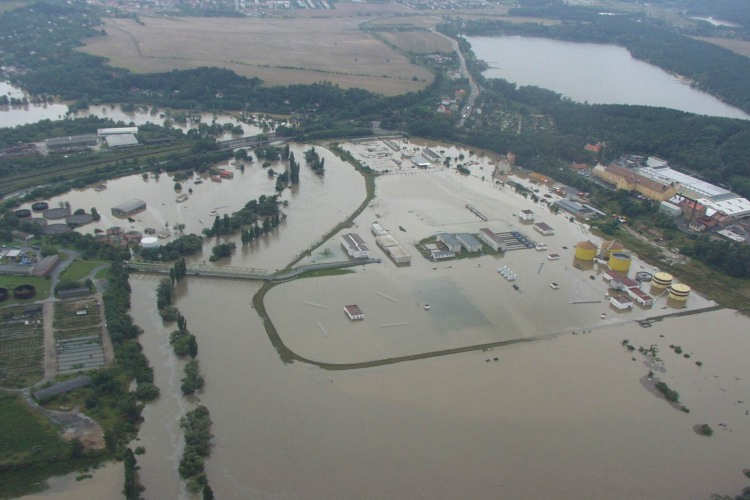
(491, 239)
(579, 210)
(585, 251)
(670, 209)
(71, 143)
(129, 208)
(377, 229)
(117, 141)
(620, 301)
(437, 253)
(105, 132)
(640, 297)
(355, 246)
(393, 249)
(450, 241)
(354, 313)
(544, 229)
(469, 242)
(715, 199)
(629, 180)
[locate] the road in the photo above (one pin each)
(473, 87)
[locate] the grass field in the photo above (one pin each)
(741, 47)
(33, 437)
(10, 282)
(79, 269)
(279, 51)
(418, 42)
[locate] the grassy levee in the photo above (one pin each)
(727, 291)
(32, 451)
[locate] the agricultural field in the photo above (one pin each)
(741, 47)
(21, 346)
(279, 51)
(42, 286)
(418, 42)
(69, 323)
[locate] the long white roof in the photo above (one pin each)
(714, 198)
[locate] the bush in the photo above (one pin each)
(704, 430)
(147, 391)
(671, 395)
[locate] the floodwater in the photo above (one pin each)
(566, 417)
(562, 418)
(11, 116)
(106, 482)
(470, 302)
(594, 73)
(315, 206)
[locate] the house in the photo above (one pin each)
(526, 216)
(354, 313)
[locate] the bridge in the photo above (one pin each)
(245, 273)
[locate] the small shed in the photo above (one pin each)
(354, 313)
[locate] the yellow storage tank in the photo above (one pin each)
(586, 251)
(678, 293)
(660, 281)
(620, 262)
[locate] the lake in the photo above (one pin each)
(594, 73)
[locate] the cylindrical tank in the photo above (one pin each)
(150, 242)
(678, 293)
(660, 281)
(619, 262)
(585, 251)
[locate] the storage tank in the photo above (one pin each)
(150, 242)
(678, 294)
(660, 282)
(619, 262)
(585, 251)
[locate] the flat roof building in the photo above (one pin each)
(129, 207)
(491, 239)
(450, 241)
(354, 313)
(527, 215)
(580, 210)
(386, 241)
(377, 229)
(71, 143)
(355, 246)
(399, 255)
(544, 229)
(103, 132)
(469, 242)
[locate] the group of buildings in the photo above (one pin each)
(115, 138)
(356, 247)
(704, 205)
(615, 263)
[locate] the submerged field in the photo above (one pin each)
(280, 52)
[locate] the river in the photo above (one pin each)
(593, 73)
